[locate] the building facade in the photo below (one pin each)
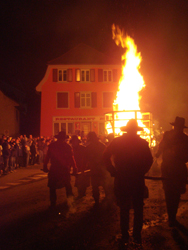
(77, 90)
(10, 116)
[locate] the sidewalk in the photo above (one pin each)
(22, 173)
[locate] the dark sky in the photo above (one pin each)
(35, 32)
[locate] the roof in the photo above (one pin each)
(83, 54)
(12, 92)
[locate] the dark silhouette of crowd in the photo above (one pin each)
(21, 151)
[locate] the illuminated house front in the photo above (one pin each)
(77, 90)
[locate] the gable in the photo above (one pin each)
(83, 54)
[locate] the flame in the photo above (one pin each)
(130, 84)
(131, 81)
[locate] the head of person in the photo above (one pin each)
(131, 127)
(61, 136)
(92, 137)
(179, 123)
(75, 141)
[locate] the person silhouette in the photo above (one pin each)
(174, 150)
(132, 160)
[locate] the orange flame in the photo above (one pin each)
(131, 81)
(130, 84)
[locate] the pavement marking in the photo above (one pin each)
(13, 183)
(27, 179)
(35, 178)
(42, 175)
(4, 187)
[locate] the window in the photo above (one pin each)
(108, 99)
(77, 75)
(68, 127)
(63, 126)
(62, 100)
(62, 75)
(107, 75)
(56, 128)
(85, 100)
(82, 75)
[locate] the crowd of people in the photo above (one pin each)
(21, 151)
(124, 159)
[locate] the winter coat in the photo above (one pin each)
(174, 150)
(61, 157)
(132, 159)
(94, 157)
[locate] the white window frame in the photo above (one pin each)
(107, 75)
(66, 126)
(83, 75)
(63, 70)
(84, 97)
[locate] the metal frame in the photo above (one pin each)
(146, 120)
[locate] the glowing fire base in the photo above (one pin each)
(114, 120)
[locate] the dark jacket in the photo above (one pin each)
(131, 158)
(6, 149)
(61, 157)
(94, 157)
(174, 150)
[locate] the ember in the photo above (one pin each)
(126, 105)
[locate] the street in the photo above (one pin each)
(27, 223)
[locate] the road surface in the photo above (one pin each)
(27, 223)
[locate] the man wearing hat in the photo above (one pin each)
(61, 157)
(79, 155)
(132, 159)
(174, 150)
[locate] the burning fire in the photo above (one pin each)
(130, 84)
(131, 81)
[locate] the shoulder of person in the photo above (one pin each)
(185, 137)
(168, 134)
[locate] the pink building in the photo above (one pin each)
(77, 90)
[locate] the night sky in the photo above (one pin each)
(35, 32)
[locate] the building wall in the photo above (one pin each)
(9, 116)
(91, 118)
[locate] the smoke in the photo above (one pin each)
(71, 205)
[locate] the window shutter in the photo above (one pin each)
(77, 99)
(93, 99)
(115, 75)
(54, 75)
(100, 75)
(69, 75)
(119, 74)
(92, 75)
